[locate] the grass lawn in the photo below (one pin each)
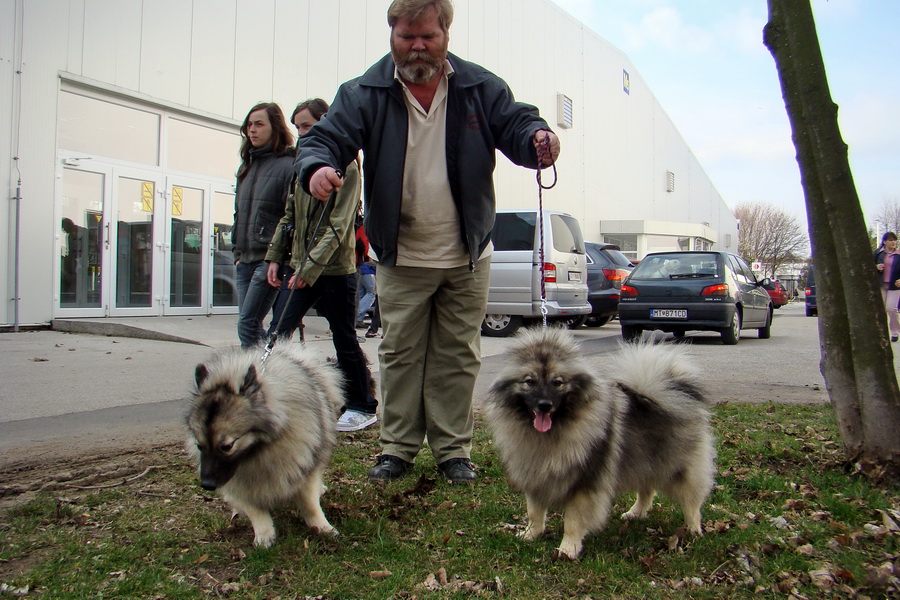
(786, 520)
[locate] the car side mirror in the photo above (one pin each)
(764, 281)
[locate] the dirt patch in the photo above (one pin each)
(83, 470)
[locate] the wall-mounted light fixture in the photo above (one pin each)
(670, 181)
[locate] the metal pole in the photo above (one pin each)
(16, 263)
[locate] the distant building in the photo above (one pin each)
(120, 138)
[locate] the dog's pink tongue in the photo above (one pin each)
(542, 421)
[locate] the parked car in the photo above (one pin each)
(696, 290)
(777, 293)
(811, 308)
(607, 268)
(514, 297)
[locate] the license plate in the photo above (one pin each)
(575, 276)
(668, 313)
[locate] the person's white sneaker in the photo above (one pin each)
(353, 420)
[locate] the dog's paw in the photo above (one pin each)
(530, 533)
(264, 539)
(569, 549)
(560, 554)
(632, 515)
(698, 530)
(326, 532)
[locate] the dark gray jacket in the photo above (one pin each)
(259, 203)
(369, 113)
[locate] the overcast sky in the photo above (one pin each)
(705, 62)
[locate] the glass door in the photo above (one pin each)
(137, 246)
(83, 242)
(224, 288)
(187, 247)
(200, 271)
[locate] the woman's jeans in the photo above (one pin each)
(255, 300)
(366, 294)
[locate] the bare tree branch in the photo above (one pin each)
(769, 235)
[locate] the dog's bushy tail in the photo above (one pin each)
(658, 370)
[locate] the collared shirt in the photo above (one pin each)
(429, 221)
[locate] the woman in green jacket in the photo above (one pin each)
(322, 271)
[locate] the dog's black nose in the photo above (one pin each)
(208, 485)
(545, 406)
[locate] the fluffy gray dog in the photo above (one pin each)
(263, 434)
(573, 442)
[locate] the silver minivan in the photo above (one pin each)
(515, 286)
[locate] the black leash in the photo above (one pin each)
(329, 205)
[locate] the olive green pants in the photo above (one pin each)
(430, 357)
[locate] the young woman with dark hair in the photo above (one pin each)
(887, 261)
(264, 180)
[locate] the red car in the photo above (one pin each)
(778, 294)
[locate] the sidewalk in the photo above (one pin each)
(122, 372)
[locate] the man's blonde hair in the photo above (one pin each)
(413, 10)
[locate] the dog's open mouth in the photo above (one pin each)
(542, 421)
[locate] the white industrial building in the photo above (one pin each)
(119, 137)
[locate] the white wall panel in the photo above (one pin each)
(75, 33)
(10, 13)
(323, 48)
(44, 54)
(166, 50)
(351, 41)
(253, 55)
(213, 29)
(291, 62)
(112, 42)
(378, 34)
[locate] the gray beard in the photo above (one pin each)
(418, 73)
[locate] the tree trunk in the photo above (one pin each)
(857, 362)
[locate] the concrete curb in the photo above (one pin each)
(102, 327)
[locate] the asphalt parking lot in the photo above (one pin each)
(108, 388)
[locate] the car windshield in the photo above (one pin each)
(677, 266)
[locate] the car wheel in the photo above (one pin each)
(631, 334)
(574, 322)
(678, 334)
(766, 332)
(732, 333)
(500, 325)
(597, 321)
(810, 312)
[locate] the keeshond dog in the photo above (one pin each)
(262, 434)
(572, 441)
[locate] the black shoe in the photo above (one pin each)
(457, 470)
(893, 338)
(389, 467)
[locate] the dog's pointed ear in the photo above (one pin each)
(251, 383)
(200, 374)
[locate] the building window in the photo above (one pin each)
(219, 157)
(627, 242)
(100, 128)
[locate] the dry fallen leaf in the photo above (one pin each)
(380, 574)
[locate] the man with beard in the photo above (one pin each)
(429, 124)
